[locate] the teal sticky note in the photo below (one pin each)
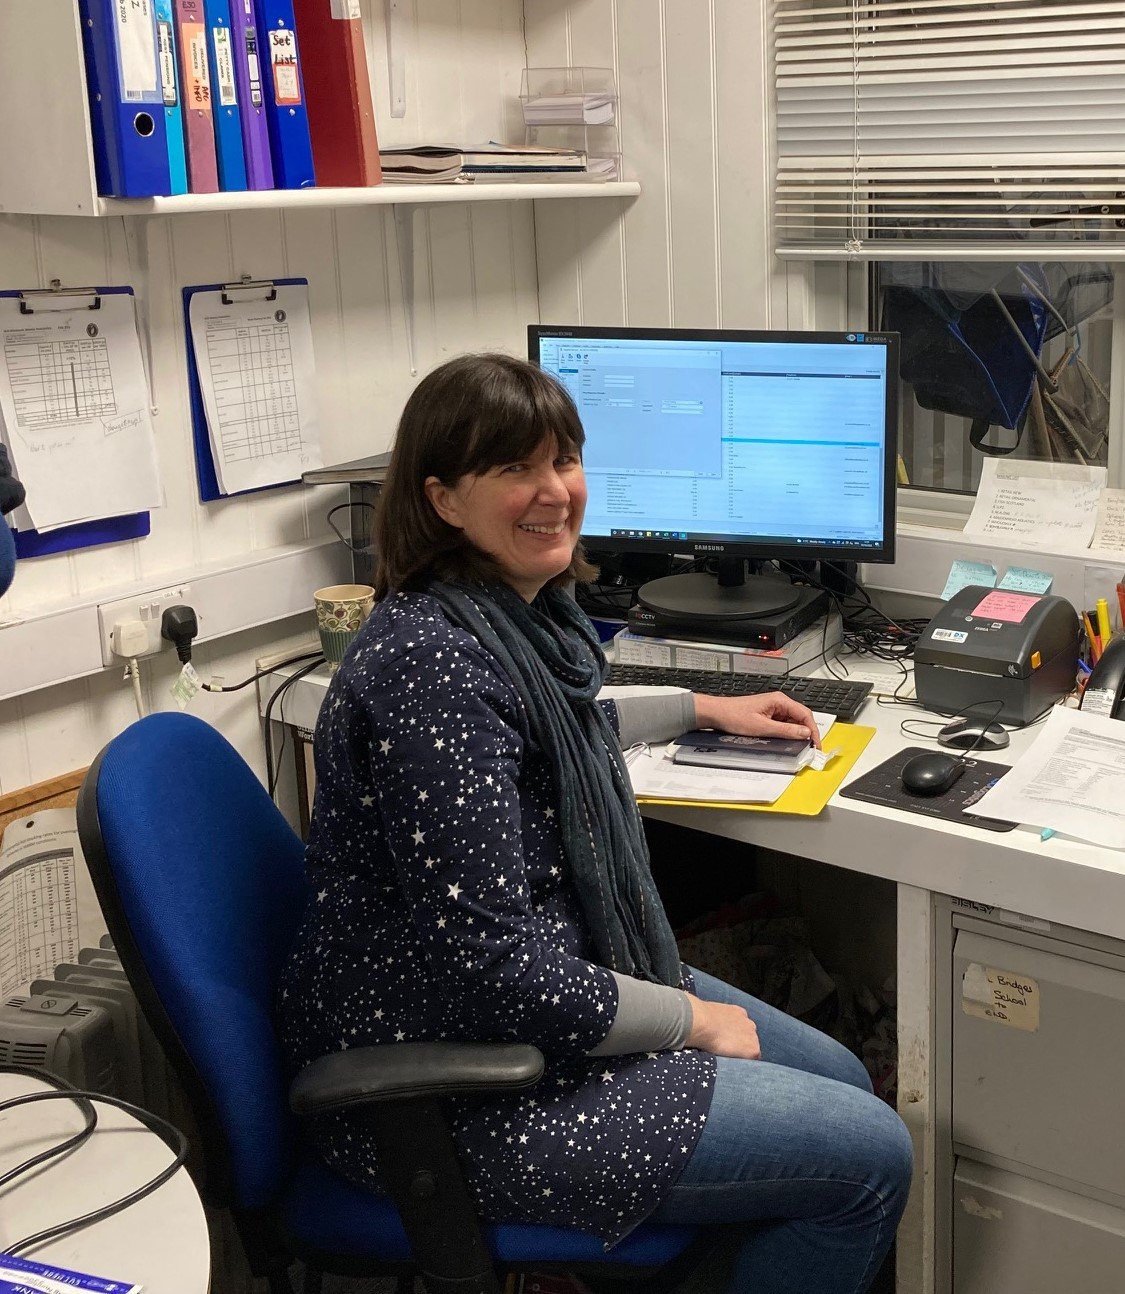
(962, 574)
(1021, 579)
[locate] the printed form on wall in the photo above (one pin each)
(254, 356)
(76, 409)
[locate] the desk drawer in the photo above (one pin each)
(1045, 1086)
(1014, 1236)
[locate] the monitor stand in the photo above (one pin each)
(730, 597)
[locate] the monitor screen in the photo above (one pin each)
(759, 444)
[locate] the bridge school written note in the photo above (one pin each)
(1037, 505)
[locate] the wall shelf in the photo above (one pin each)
(413, 195)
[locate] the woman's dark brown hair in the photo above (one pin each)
(472, 413)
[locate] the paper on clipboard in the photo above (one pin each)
(254, 356)
(75, 408)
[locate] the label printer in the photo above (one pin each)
(991, 645)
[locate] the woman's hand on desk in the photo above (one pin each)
(769, 714)
(722, 1030)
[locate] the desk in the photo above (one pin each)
(160, 1242)
(1061, 881)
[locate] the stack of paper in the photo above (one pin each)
(75, 410)
(655, 776)
(593, 109)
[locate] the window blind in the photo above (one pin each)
(928, 128)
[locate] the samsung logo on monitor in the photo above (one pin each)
(709, 548)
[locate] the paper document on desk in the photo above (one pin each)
(1072, 780)
(75, 410)
(24, 1274)
(656, 777)
(1037, 505)
(48, 909)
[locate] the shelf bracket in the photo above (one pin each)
(404, 240)
(135, 229)
(396, 55)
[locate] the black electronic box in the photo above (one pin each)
(765, 629)
(989, 645)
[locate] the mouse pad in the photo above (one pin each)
(883, 785)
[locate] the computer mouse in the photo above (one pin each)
(973, 733)
(931, 773)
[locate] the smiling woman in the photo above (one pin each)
(481, 874)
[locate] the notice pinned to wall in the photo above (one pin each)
(1003, 996)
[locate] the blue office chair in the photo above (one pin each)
(202, 884)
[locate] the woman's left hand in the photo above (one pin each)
(769, 714)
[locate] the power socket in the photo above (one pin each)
(147, 609)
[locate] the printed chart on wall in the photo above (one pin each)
(76, 409)
(48, 910)
(256, 376)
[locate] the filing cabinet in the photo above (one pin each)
(1033, 1090)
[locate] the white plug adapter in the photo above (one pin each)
(129, 638)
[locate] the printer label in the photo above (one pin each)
(949, 635)
(1001, 605)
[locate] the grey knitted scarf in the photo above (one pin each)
(551, 654)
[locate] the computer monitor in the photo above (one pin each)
(733, 444)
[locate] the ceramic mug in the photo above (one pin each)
(341, 610)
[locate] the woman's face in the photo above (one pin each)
(526, 516)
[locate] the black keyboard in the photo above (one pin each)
(825, 694)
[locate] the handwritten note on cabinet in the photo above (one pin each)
(1005, 997)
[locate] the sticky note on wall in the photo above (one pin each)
(1022, 579)
(962, 574)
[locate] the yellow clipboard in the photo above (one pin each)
(811, 789)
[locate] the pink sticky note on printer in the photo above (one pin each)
(1000, 605)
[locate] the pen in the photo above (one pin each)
(1104, 631)
(1121, 603)
(1046, 833)
(1091, 637)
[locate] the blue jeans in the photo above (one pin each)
(797, 1146)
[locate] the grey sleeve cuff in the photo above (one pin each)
(662, 717)
(650, 1017)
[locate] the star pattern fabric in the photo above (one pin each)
(443, 910)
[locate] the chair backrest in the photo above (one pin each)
(202, 884)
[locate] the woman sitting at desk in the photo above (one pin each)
(480, 873)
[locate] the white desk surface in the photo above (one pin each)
(160, 1242)
(1060, 880)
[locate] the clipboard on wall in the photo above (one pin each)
(29, 541)
(254, 405)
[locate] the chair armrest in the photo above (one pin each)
(408, 1071)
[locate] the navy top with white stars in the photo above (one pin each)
(443, 910)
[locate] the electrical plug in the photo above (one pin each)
(179, 626)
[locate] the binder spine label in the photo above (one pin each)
(224, 68)
(346, 9)
(253, 67)
(136, 51)
(167, 52)
(283, 57)
(199, 85)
